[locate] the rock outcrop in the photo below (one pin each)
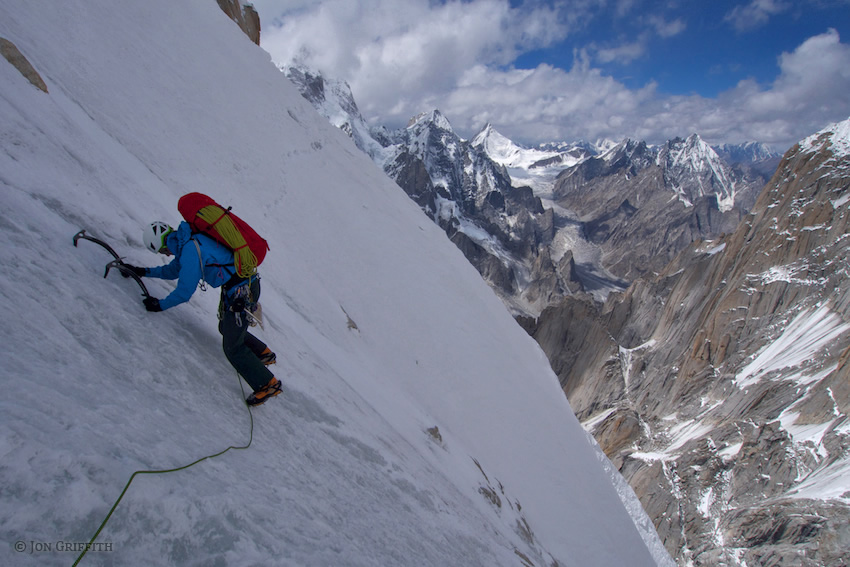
(661, 199)
(13, 55)
(245, 16)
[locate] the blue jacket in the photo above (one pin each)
(186, 266)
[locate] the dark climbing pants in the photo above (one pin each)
(242, 348)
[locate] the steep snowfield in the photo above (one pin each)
(382, 330)
(804, 337)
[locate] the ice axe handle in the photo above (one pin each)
(127, 272)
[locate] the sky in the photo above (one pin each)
(772, 71)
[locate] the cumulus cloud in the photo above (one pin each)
(622, 54)
(628, 50)
(403, 57)
(544, 103)
(551, 103)
(410, 42)
(399, 56)
(809, 93)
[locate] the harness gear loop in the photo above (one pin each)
(237, 297)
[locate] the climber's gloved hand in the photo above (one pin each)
(152, 304)
(141, 272)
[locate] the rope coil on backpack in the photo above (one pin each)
(243, 259)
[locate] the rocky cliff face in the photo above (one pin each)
(721, 386)
(245, 16)
(643, 205)
(503, 230)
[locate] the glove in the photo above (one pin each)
(152, 304)
(135, 269)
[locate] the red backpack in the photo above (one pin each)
(206, 216)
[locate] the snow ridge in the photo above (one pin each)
(835, 136)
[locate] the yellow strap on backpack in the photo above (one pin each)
(243, 259)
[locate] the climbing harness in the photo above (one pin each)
(236, 297)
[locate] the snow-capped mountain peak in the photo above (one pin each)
(747, 152)
(504, 151)
(694, 163)
(835, 138)
(498, 147)
(487, 135)
(627, 149)
(334, 100)
(691, 153)
(432, 118)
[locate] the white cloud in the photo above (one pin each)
(544, 103)
(755, 14)
(666, 28)
(403, 57)
(809, 93)
(627, 51)
(395, 51)
(404, 34)
(622, 54)
(550, 103)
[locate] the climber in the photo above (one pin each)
(198, 259)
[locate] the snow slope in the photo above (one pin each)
(383, 331)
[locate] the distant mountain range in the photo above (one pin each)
(548, 222)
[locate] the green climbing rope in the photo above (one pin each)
(127, 486)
